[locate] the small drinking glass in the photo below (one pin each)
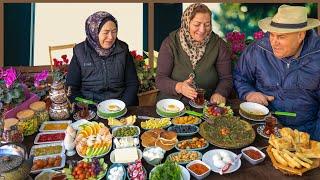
(84, 110)
(199, 100)
(270, 124)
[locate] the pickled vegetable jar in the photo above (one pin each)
(28, 122)
(11, 132)
(39, 108)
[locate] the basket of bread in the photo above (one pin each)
(293, 153)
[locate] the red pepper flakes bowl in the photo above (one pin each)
(253, 155)
(194, 174)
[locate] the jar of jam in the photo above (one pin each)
(40, 110)
(28, 122)
(11, 132)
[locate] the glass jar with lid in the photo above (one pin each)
(39, 107)
(28, 122)
(11, 132)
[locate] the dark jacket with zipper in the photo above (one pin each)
(100, 78)
(294, 82)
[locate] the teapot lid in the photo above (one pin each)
(9, 162)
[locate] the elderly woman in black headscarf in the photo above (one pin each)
(102, 67)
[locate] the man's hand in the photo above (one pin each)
(185, 88)
(260, 98)
(217, 98)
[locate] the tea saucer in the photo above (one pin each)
(91, 115)
(260, 131)
(191, 103)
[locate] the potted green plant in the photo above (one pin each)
(146, 75)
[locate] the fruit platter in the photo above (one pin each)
(214, 111)
(92, 169)
(228, 132)
(93, 140)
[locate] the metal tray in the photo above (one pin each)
(63, 162)
(53, 122)
(47, 145)
(36, 140)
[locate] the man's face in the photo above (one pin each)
(286, 44)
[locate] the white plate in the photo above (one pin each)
(52, 122)
(184, 171)
(92, 114)
(162, 115)
(104, 104)
(257, 120)
(102, 117)
(191, 103)
(207, 158)
(165, 102)
(261, 132)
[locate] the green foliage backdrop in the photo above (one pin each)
(244, 17)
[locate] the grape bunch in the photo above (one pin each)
(95, 166)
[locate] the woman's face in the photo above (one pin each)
(200, 26)
(108, 34)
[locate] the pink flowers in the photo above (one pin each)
(40, 77)
(237, 40)
(258, 35)
(9, 76)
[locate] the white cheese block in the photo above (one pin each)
(125, 155)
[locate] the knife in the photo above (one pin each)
(226, 167)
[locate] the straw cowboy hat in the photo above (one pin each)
(289, 19)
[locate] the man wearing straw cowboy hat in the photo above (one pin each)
(282, 70)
